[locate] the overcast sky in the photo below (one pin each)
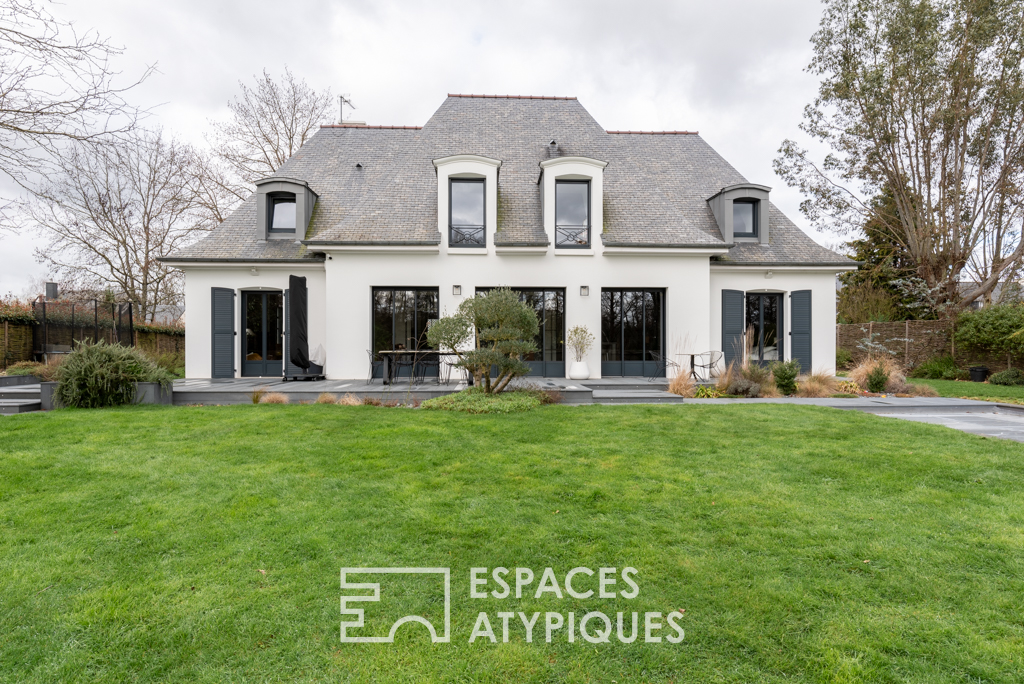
(732, 69)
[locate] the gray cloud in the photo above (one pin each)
(731, 69)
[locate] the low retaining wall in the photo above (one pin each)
(911, 342)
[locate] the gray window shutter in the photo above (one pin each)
(732, 326)
(800, 328)
(223, 327)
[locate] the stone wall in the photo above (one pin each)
(15, 343)
(912, 342)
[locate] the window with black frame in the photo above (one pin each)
(549, 305)
(282, 212)
(744, 218)
(466, 213)
(632, 332)
(572, 214)
(400, 319)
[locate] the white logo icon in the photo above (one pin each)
(375, 597)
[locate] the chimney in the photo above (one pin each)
(51, 292)
(552, 149)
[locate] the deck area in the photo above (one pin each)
(240, 390)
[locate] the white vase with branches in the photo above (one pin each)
(579, 340)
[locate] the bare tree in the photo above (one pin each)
(56, 85)
(923, 99)
(269, 123)
(110, 212)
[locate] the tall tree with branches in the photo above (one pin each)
(57, 86)
(111, 212)
(922, 100)
(268, 124)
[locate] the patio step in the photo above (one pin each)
(9, 407)
(19, 392)
(644, 396)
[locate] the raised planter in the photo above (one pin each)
(579, 370)
(978, 373)
(145, 393)
(15, 380)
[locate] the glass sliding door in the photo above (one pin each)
(263, 344)
(764, 327)
(549, 305)
(632, 331)
(400, 319)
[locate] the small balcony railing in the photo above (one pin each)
(572, 236)
(467, 236)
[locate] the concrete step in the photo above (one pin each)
(612, 384)
(19, 392)
(10, 407)
(619, 396)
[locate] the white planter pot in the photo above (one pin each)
(579, 370)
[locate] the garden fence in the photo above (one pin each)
(60, 324)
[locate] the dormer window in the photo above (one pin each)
(284, 207)
(572, 214)
(466, 213)
(744, 218)
(282, 212)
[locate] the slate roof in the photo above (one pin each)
(656, 186)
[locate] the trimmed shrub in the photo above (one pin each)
(743, 387)
(100, 375)
(473, 400)
(1012, 377)
(877, 379)
(784, 373)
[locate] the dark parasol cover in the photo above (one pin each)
(299, 351)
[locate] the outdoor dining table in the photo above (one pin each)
(701, 365)
(390, 356)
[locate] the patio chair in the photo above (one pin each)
(703, 364)
(401, 361)
(662, 364)
(376, 363)
(427, 361)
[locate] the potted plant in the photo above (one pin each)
(579, 341)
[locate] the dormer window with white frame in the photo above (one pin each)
(467, 201)
(571, 203)
(467, 204)
(572, 214)
(284, 207)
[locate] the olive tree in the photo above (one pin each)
(504, 328)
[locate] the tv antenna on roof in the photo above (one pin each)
(344, 100)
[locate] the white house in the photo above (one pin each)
(650, 239)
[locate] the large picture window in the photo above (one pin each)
(401, 317)
(549, 305)
(466, 213)
(572, 214)
(632, 332)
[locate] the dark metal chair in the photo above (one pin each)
(702, 365)
(662, 364)
(401, 360)
(428, 361)
(376, 363)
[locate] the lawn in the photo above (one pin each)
(976, 390)
(805, 544)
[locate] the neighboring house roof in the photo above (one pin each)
(656, 185)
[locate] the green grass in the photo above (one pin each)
(975, 390)
(473, 400)
(204, 544)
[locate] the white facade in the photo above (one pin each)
(340, 288)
